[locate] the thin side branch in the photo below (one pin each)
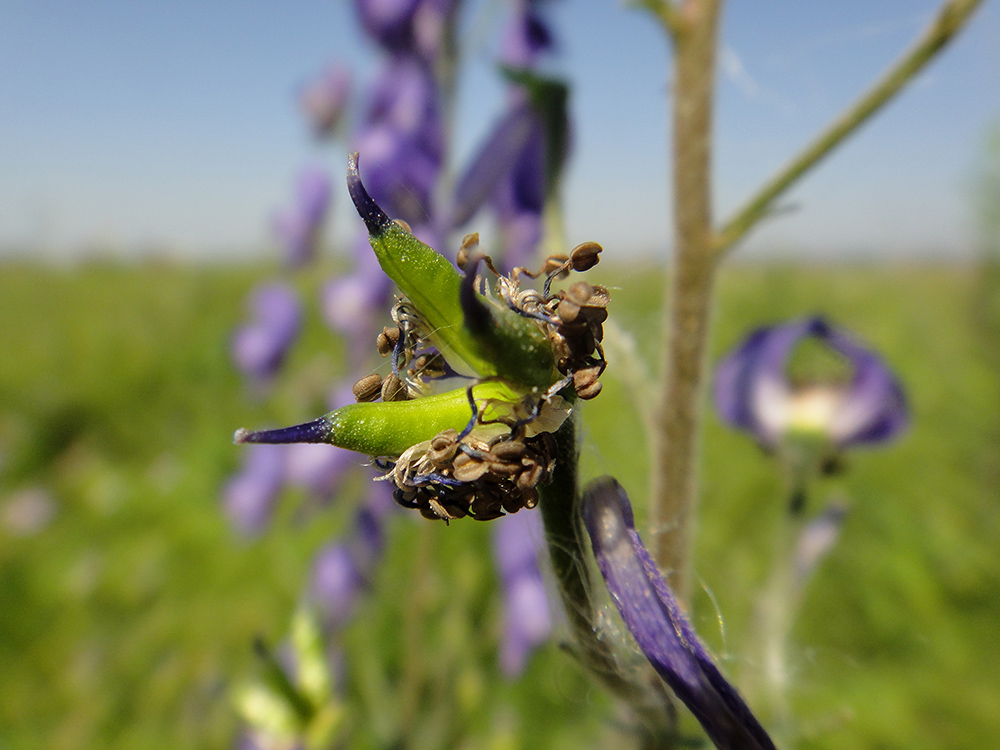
(949, 21)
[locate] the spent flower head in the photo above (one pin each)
(482, 374)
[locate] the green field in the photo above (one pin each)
(126, 619)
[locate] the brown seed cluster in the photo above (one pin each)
(456, 475)
(574, 317)
(451, 477)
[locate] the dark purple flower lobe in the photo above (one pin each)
(654, 618)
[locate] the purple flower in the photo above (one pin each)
(298, 228)
(388, 22)
(259, 348)
(402, 140)
(250, 495)
(526, 37)
(343, 569)
(527, 621)
(755, 393)
(323, 101)
(659, 627)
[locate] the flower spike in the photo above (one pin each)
(658, 625)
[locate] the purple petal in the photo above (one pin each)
(250, 495)
(751, 384)
(297, 229)
(525, 38)
(323, 101)
(388, 22)
(874, 409)
(658, 625)
(527, 619)
(318, 468)
(494, 161)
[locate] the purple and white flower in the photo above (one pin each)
(755, 393)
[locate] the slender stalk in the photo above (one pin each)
(949, 20)
(639, 687)
(673, 484)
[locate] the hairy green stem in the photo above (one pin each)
(638, 686)
(673, 481)
(950, 19)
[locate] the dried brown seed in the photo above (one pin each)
(580, 293)
(508, 451)
(368, 388)
(467, 468)
(530, 497)
(600, 296)
(531, 476)
(585, 256)
(568, 311)
(393, 389)
(386, 340)
(590, 391)
(443, 448)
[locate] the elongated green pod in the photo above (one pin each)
(490, 340)
(389, 428)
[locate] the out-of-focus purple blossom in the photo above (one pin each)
(260, 346)
(416, 27)
(324, 100)
(336, 583)
(388, 22)
(525, 38)
(654, 618)
(402, 140)
(298, 228)
(753, 391)
(343, 569)
(527, 620)
(250, 495)
(317, 468)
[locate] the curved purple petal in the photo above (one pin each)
(874, 408)
(494, 161)
(658, 625)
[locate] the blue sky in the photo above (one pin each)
(172, 127)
